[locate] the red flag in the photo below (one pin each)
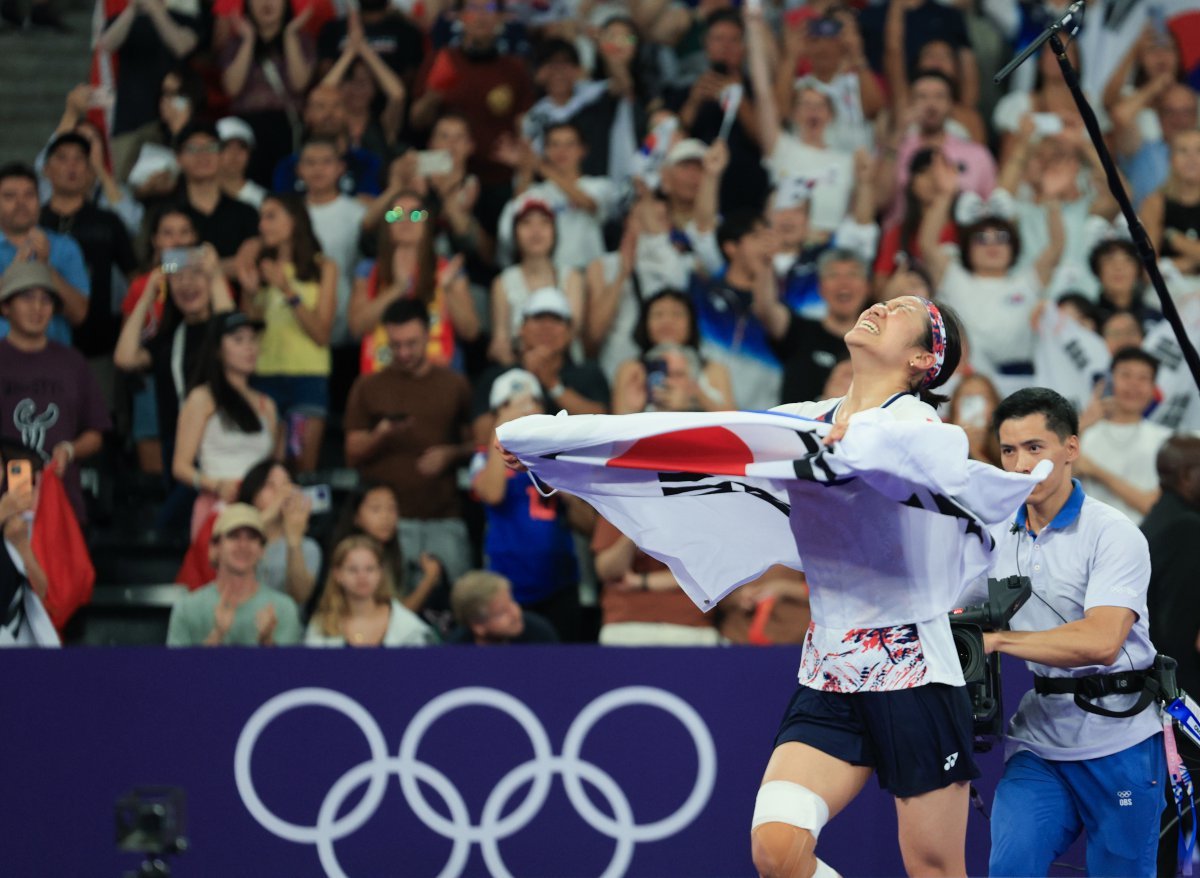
(197, 569)
(59, 547)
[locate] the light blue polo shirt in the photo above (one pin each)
(1090, 555)
(67, 259)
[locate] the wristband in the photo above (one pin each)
(70, 450)
(557, 390)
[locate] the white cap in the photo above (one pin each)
(792, 192)
(233, 128)
(687, 150)
(547, 300)
(513, 383)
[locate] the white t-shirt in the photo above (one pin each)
(337, 225)
(831, 172)
(875, 659)
(996, 314)
(404, 628)
(580, 233)
(1128, 451)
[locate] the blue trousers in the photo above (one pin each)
(1042, 806)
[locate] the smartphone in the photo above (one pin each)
(1047, 124)
(321, 498)
(434, 162)
(20, 476)
(656, 376)
(178, 258)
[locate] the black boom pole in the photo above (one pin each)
(1070, 21)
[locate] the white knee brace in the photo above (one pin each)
(781, 801)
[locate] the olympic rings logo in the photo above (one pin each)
(492, 828)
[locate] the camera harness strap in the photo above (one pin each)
(1181, 710)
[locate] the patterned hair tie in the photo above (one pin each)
(937, 328)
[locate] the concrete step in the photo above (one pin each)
(37, 69)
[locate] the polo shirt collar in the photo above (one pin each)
(1066, 516)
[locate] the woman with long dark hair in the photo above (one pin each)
(408, 267)
(225, 426)
(292, 287)
(265, 68)
(900, 248)
(372, 511)
(890, 701)
(670, 375)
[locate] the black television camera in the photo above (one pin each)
(980, 670)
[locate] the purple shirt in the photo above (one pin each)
(48, 397)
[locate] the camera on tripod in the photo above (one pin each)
(980, 670)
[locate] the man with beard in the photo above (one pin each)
(406, 426)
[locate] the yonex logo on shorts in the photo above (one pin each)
(950, 760)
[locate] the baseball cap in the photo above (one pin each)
(66, 138)
(231, 321)
(238, 515)
(529, 205)
(825, 26)
(547, 300)
(514, 382)
(687, 150)
(22, 276)
(233, 128)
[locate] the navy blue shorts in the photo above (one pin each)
(917, 740)
(306, 395)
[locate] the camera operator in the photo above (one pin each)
(1083, 631)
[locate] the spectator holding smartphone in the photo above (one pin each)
(670, 375)
(50, 401)
(23, 621)
(167, 313)
(406, 426)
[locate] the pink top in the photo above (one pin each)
(977, 168)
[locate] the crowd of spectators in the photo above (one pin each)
(276, 240)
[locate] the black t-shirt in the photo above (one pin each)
(394, 38)
(231, 224)
(932, 21)
(745, 183)
(586, 379)
(173, 376)
(537, 630)
(142, 62)
(105, 244)
(808, 353)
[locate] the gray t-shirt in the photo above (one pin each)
(272, 569)
(192, 618)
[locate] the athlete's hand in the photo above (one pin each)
(835, 434)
